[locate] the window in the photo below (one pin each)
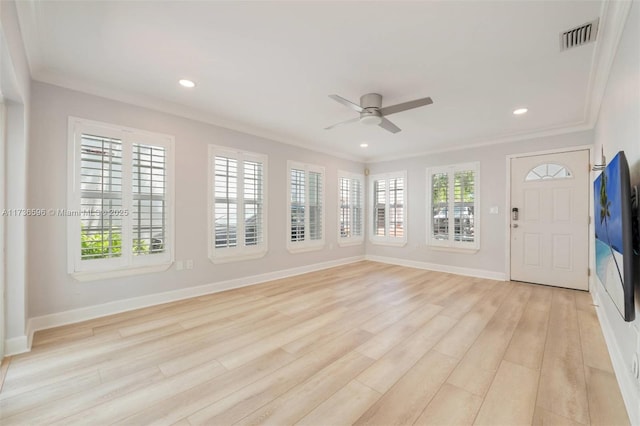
(453, 189)
(120, 210)
(305, 209)
(237, 205)
(389, 208)
(548, 171)
(350, 208)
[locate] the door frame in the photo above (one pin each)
(507, 207)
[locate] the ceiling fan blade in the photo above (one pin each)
(346, 103)
(387, 125)
(392, 109)
(353, 120)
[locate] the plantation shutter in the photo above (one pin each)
(237, 205)
(298, 195)
(453, 202)
(463, 202)
(315, 205)
(101, 194)
(396, 207)
(226, 202)
(440, 206)
(350, 193)
(149, 209)
(345, 208)
(380, 206)
(356, 197)
(253, 202)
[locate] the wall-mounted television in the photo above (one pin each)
(614, 235)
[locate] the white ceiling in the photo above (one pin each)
(267, 67)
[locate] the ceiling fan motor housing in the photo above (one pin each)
(371, 100)
(371, 103)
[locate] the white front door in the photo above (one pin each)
(550, 236)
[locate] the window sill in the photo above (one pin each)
(236, 258)
(305, 248)
(118, 273)
(389, 243)
(350, 243)
(461, 250)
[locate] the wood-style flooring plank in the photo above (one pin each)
(299, 401)
(181, 403)
(234, 407)
(49, 411)
(542, 417)
(479, 365)
(464, 333)
(606, 406)
(343, 407)
(527, 344)
(450, 406)
(511, 398)
(562, 388)
(594, 348)
(367, 343)
(403, 403)
(389, 337)
(382, 375)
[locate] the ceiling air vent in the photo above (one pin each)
(578, 36)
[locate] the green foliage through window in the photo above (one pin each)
(107, 244)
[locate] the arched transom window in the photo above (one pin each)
(548, 171)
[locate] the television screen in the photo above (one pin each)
(614, 246)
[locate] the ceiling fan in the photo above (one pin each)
(372, 113)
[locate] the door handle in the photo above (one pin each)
(515, 225)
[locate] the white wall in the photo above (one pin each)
(15, 82)
(52, 290)
(489, 261)
(618, 129)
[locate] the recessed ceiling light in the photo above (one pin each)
(364, 145)
(187, 83)
(520, 111)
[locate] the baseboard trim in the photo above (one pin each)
(459, 270)
(16, 345)
(91, 312)
(628, 389)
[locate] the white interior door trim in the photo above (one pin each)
(507, 206)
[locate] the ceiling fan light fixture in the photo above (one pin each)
(371, 120)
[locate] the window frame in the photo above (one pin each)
(450, 244)
(127, 264)
(353, 240)
(306, 245)
(240, 252)
(386, 239)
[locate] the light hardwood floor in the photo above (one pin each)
(366, 343)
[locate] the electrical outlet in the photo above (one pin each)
(179, 265)
(189, 264)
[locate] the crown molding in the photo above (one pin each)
(480, 143)
(77, 84)
(613, 16)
